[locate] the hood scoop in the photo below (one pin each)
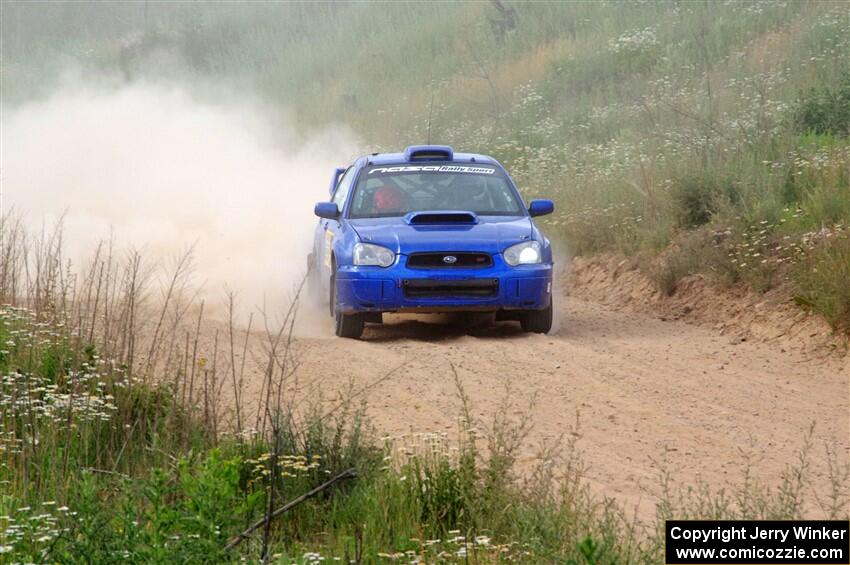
(440, 218)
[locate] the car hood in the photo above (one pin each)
(492, 234)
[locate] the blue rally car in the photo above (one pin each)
(430, 230)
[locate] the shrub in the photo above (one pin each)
(828, 205)
(823, 279)
(825, 110)
(698, 196)
(184, 518)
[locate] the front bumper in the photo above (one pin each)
(402, 289)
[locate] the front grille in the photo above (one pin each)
(432, 288)
(438, 260)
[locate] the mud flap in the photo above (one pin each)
(374, 317)
(508, 315)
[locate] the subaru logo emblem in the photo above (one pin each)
(449, 259)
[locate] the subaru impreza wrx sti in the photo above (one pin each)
(430, 230)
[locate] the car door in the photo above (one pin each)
(329, 230)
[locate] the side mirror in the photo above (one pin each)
(327, 210)
(335, 180)
(541, 207)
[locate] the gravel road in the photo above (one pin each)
(648, 393)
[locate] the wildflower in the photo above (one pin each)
(482, 540)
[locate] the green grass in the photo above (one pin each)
(824, 281)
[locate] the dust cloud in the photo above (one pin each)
(158, 170)
(562, 259)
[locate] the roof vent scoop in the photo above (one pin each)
(429, 153)
(440, 218)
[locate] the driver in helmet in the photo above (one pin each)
(388, 199)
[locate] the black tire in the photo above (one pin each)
(349, 325)
(345, 325)
(537, 321)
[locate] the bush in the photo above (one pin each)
(184, 516)
(823, 279)
(825, 110)
(697, 197)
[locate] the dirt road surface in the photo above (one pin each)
(649, 393)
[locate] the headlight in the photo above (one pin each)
(375, 255)
(525, 253)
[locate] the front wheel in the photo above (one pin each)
(349, 325)
(345, 325)
(537, 321)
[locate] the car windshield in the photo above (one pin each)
(387, 191)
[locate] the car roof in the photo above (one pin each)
(402, 158)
